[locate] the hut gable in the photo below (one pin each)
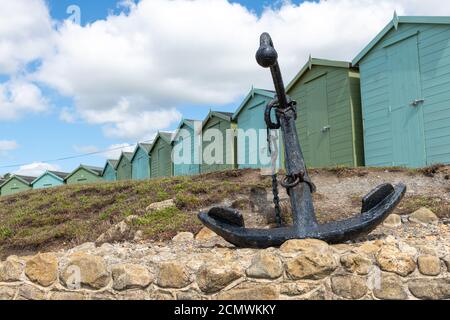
(404, 90)
(84, 174)
(123, 166)
(221, 121)
(186, 148)
(252, 150)
(160, 155)
(15, 184)
(140, 162)
(109, 172)
(49, 179)
(329, 122)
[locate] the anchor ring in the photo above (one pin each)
(286, 182)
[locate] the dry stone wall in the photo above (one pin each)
(209, 268)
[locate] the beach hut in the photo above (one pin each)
(123, 166)
(160, 155)
(109, 172)
(85, 174)
(140, 162)
(405, 77)
(186, 148)
(329, 124)
(15, 184)
(49, 179)
(252, 148)
(218, 142)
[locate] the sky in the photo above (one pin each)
(82, 76)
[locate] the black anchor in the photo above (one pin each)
(229, 223)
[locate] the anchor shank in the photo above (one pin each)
(300, 195)
(279, 86)
(301, 198)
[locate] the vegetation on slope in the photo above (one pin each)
(73, 214)
(66, 216)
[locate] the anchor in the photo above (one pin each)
(229, 223)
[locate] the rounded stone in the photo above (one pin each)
(390, 287)
(161, 205)
(311, 265)
(172, 274)
(393, 221)
(213, 278)
(130, 276)
(298, 288)
(7, 293)
(29, 292)
(356, 263)
(265, 265)
(205, 234)
(256, 292)
(429, 265)
(303, 245)
(430, 289)
(423, 216)
(391, 259)
(447, 262)
(11, 270)
(183, 237)
(67, 296)
(42, 269)
(85, 270)
(349, 286)
(368, 248)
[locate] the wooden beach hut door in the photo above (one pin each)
(162, 163)
(318, 125)
(406, 103)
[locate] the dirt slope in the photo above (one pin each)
(63, 217)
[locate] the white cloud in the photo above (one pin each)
(128, 73)
(6, 146)
(124, 121)
(25, 33)
(18, 97)
(67, 115)
(36, 169)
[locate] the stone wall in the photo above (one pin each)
(209, 268)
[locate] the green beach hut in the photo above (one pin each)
(109, 172)
(252, 148)
(123, 166)
(329, 121)
(160, 155)
(15, 184)
(405, 79)
(49, 179)
(186, 148)
(85, 174)
(140, 162)
(218, 142)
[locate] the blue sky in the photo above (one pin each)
(130, 70)
(43, 137)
